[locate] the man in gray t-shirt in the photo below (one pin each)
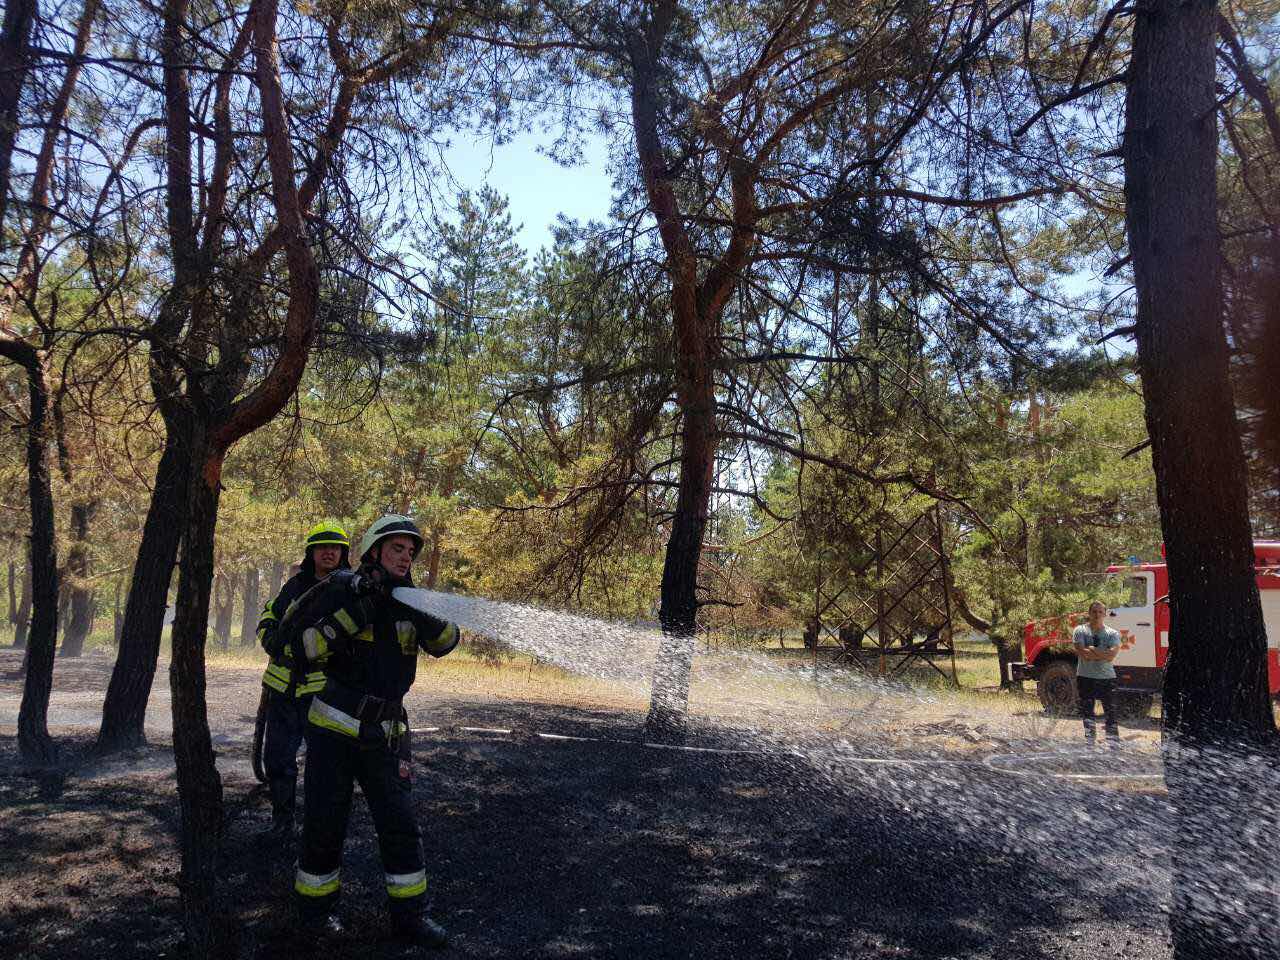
(1096, 645)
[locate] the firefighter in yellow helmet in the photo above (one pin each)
(358, 731)
(287, 692)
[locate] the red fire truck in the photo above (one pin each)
(1143, 624)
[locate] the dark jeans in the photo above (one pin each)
(286, 725)
(1091, 690)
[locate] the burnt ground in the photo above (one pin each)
(540, 847)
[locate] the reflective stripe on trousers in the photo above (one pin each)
(318, 884)
(401, 885)
(329, 717)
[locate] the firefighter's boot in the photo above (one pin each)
(418, 931)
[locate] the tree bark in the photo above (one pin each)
(80, 595)
(1216, 699)
(15, 63)
(225, 596)
(277, 576)
(117, 618)
(249, 620)
(199, 785)
(433, 558)
(125, 707)
(64, 604)
(23, 622)
(695, 314)
(678, 610)
(13, 594)
(34, 742)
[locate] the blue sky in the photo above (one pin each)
(538, 188)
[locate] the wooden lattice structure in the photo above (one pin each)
(885, 601)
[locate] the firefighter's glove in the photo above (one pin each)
(343, 578)
(365, 584)
(372, 583)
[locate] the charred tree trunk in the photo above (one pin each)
(34, 741)
(249, 621)
(23, 621)
(125, 707)
(678, 609)
(80, 598)
(1217, 710)
(199, 785)
(696, 307)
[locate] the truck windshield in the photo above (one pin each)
(1136, 589)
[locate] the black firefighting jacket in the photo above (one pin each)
(369, 645)
(279, 670)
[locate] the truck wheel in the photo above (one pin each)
(1134, 706)
(1057, 687)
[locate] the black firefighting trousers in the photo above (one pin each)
(286, 725)
(334, 764)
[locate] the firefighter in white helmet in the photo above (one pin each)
(358, 730)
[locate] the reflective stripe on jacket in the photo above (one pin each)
(371, 646)
(279, 672)
(278, 675)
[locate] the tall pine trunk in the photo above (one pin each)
(16, 61)
(224, 605)
(117, 618)
(199, 785)
(433, 558)
(125, 707)
(277, 577)
(34, 741)
(249, 620)
(678, 610)
(22, 623)
(1217, 710)
(80, 598)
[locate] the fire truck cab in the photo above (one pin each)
(1143, 625)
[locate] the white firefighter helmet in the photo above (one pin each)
(390, 525)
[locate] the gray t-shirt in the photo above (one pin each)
(1104, 639)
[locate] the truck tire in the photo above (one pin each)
(1134, 706)
(1056, 686)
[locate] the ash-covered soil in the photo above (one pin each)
(552, 847)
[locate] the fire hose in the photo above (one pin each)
(259, 730)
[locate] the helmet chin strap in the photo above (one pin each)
(375, 560)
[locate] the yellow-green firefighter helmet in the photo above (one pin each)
(327, 532)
